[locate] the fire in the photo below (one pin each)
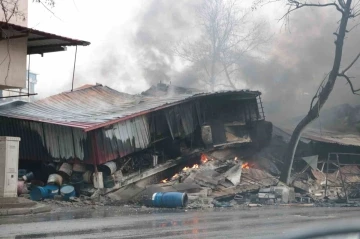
(195, 166)
(245, 165)
(235, 158)
(175, 176)
(203, 158)
(185, 169)
(164, 180)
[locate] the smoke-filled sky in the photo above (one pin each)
(132, 47)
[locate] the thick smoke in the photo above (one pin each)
(161, 26)
(298, 63)
(294, 66)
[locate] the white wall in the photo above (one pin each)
(17, 71)
(13, 75)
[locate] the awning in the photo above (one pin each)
(38, 42)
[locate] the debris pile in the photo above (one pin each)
(226, 177)
(225, 182)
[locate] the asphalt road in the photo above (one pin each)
(114, 223)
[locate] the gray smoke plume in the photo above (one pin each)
(294, 66)
(160, 27)
(298, 64)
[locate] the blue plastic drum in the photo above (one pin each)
(67, 192)
(169, 199)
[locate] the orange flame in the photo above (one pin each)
(245, 165)
(185, 169)
(164, 180)
(175, 176)
(203, 158)
(195, 166)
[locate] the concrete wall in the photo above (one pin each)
(19, 19)
(13, 75)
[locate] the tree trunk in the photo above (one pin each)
(228, 77)
(212, 72)
(323, 96)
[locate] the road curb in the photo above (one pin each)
(23, 211)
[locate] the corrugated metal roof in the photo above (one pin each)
(98, 106)
(38, 41)
(324, 136)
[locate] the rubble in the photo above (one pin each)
(222, 177)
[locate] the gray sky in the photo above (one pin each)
(107, 25)
(129, 37)
(110, 27)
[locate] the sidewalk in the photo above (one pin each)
(21, 206)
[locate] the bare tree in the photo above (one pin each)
(10, 9)
(227, 33)
(347, 10)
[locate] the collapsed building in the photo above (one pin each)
(93, 125)
(210, 145)
(326, 163)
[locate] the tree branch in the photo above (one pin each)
(299, 5)
(318, 90)
(351, 64)
(350, 83)
(44, 5)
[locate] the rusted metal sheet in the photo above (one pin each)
(98, 124)
(100, 106)
(45, 141)
(123, 138)
(182, 119)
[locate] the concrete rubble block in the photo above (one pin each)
(203, 193)
(98, 180)
(285, 193)
(125, 194)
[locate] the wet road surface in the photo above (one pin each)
(113, 223)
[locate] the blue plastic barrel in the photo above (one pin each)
(52, 190)
(169, 199)
(67, 192)
(39, 193)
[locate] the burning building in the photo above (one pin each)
(96, 124)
